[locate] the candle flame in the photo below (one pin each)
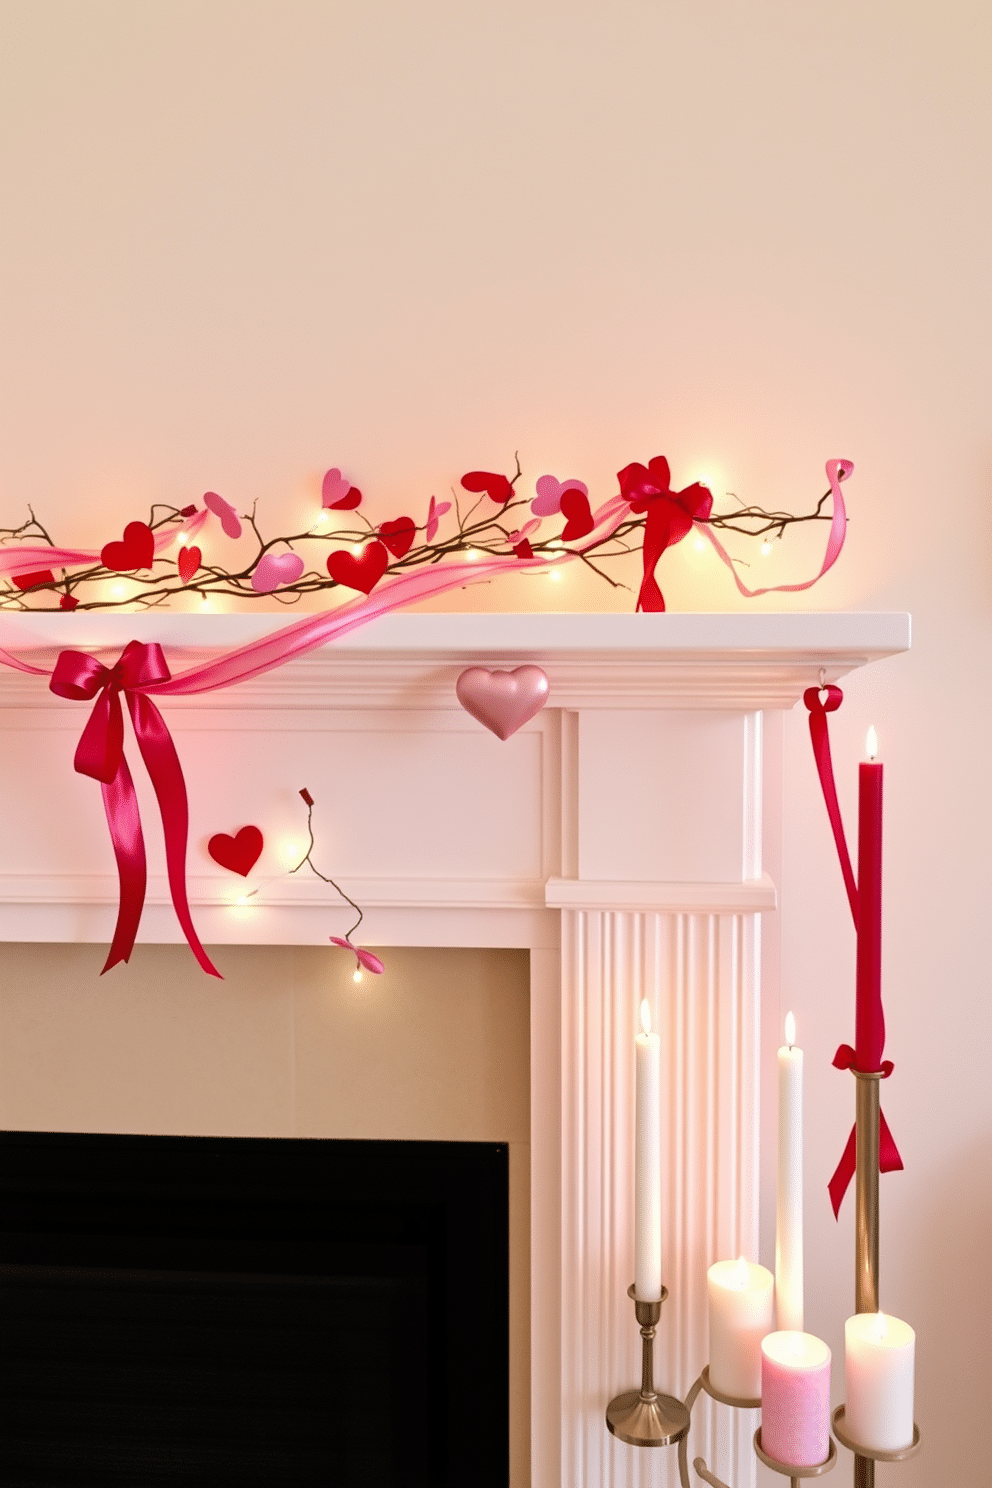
(871, 743)
(645, 1016)
(790, 1029)
(878, 1327)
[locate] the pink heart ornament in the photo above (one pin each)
(229, 519)
(549, 493)
(275, 569)
(502, 701)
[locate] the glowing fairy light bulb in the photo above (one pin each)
(356, 975)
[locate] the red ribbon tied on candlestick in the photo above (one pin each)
(670, 515)
(100, 755)
(889, 1160)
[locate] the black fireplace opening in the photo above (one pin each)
(253, 1311)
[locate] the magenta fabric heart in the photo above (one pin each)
(275, 569)
(229, 519)
(502, 701)
(550, 490)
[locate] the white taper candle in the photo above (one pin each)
(789, 1192)
(647, 1162)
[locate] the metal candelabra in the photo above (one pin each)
(645, 1418)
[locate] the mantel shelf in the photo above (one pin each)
(592, 660)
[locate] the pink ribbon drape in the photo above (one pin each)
(889, 1160)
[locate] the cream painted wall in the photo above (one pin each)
(244, 240)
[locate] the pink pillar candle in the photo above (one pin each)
(795, 1399)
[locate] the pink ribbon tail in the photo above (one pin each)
(837, 471)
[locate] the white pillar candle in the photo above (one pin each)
(647, 1162)
(879, 1359)
(789, 1191)
(795, 1398)
(742, 1305)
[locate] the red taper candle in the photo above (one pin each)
(869, 1033)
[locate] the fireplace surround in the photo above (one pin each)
(627, 837)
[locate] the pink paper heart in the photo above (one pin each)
(549, 493)
(502, 701)
(275, 569)
(229, 518)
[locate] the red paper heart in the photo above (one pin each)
(358, 573)
(576, 508)
(188, 562)
(496, 487)
(398, 536)
(239, 853)
(29, 580)
(68, 602)
(523, 548)
(136, 551)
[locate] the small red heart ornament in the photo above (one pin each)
(137, 550)
(575, 506)
(68, 602)
(358, 573)
(239, 853)
(398, 536)
(502, 701)
(188, 562)
(496, 487)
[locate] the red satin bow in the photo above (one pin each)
(670, 515)
(889, 1160)
(100, 754)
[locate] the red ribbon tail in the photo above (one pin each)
(657, 535)
(844, 1172)
(889, 1161)
(162, 763)
(121, 805)
(819, 733)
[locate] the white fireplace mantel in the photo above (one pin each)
(619, 836)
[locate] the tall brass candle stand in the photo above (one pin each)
(643, 1418)
(866, 1260)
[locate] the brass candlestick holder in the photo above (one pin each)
(644, 1418)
